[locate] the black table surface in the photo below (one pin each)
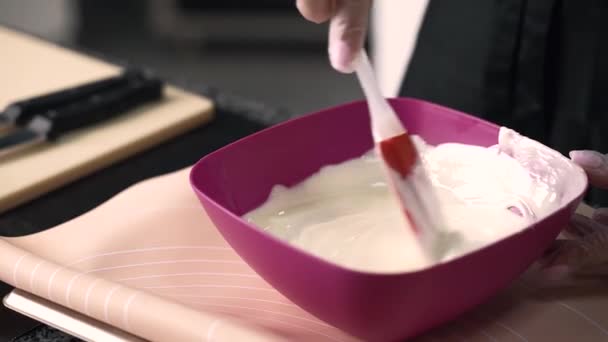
(85, 194)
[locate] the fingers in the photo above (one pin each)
(584, 254)
(317, 11)
(582, 226)
(595, 164)
(559, 262)
(551, 254)
(347, 31)
(596, 251)
(600, 215)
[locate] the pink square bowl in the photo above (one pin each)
(371, 306)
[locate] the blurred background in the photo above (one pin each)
(261, 50)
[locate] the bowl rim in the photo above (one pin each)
(327, 263)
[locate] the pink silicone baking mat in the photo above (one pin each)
(150, 262)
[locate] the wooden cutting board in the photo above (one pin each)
(29, 67)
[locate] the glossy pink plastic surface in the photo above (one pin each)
(374, 307)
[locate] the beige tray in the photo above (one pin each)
(29, 67)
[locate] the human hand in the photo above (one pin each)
(584, 252)
(347, 28)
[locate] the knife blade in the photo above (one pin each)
(52, 124)
(20, 112)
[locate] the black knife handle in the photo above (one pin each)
(20, 112)
(97, 108)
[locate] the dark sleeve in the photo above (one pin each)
(539, 67)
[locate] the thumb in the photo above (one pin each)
(595, 164)
(317, 11)
(347, 31)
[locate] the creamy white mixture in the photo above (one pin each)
(346, 214)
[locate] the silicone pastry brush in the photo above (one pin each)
(407, 177)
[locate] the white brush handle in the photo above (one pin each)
(385, 123)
